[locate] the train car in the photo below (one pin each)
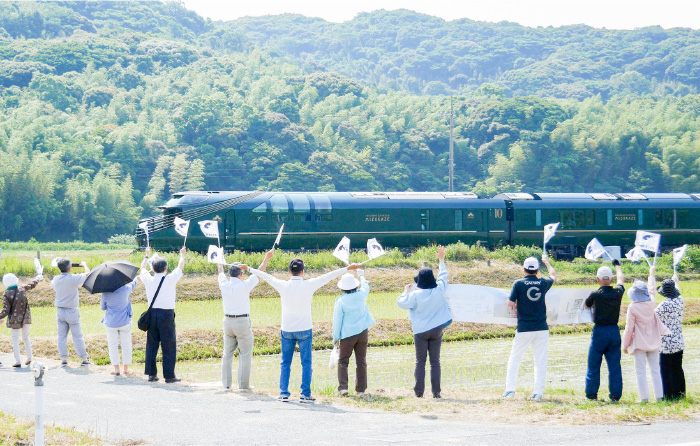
(317, 220)
(613, 218)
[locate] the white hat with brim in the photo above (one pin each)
(9, 280)
(348, 282)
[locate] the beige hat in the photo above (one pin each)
(348, 282)
(9, 280)
(604, 273)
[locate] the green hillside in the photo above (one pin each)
(108, 107)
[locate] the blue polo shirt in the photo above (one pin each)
(528, 294)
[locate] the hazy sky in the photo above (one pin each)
(625, 14)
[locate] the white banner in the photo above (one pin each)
(279, 236)
(181, 226)
(216, 255)
(648, 241)
(594, 249)
(374, 249)
(550, 231)
(210, 228)
(487, 305)
(678, 254)
(636, 254)
(38, 267)
(342, 251)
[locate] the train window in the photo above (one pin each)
(659, 220)
(321, 203)
(324, 217)
(670, 218)
(538, 217)
(280, 217)
(261, 208)
(682, 218)
(278, 203)
(610, 219)
(458, 220)
(640, 217)
(259, 214)
(424, 219)
(183, 200)
(577, 219)
(300, 203)
(302, 217)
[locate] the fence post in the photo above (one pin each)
(38, 372)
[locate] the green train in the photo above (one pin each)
(317, 220)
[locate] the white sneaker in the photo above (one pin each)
(508, 395)
(536, 397)
(343, 392)
(360, 393)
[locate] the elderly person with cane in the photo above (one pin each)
(351, 322)
(429, 315)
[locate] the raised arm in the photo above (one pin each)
(86, 268)
(406, 300)
(181, 263)
(550, 268)
(651, 282)
(618, 270)
(268, 256)
(144, 262)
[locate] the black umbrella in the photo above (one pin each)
(109, 276)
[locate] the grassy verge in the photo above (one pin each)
(16, 431)
(19, 261)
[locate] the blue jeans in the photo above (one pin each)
(605, 341)
(289, 342)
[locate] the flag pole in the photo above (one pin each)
(184, 244)
(655, 253)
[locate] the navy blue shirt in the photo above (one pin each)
(528, 293)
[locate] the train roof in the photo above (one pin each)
(597, 197)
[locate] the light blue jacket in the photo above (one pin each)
(351, 315)
(117, 305)
(427, 308)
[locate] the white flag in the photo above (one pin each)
(181, 226)
(636, 254)
(210, 228)
(550, 231)
(144, 226)
(374, 249)
(342, 251)
(594, 249)
(216, 255)
(279, 236)
(40, 269)
(678, 254)
(54, 262)
(648, 241)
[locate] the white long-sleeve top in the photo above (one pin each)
(296, 295)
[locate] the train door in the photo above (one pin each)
(230, 230)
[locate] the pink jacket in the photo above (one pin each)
(644, 329)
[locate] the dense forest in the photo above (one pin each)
(106, 108)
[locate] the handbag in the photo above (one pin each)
(144, 322)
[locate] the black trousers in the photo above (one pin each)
(161, 334)
(428, 344)
(672, 375)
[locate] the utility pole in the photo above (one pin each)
(452, 144)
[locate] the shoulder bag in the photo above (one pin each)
(144, 322)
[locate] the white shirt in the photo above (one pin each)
(66, 287)
(235, 293)
(296, 295)
(166, 295)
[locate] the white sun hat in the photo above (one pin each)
(348, 282)
(9, 280)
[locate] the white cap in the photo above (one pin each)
(9, 280)
(348, 282)
(604, 273)
(531, 264)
